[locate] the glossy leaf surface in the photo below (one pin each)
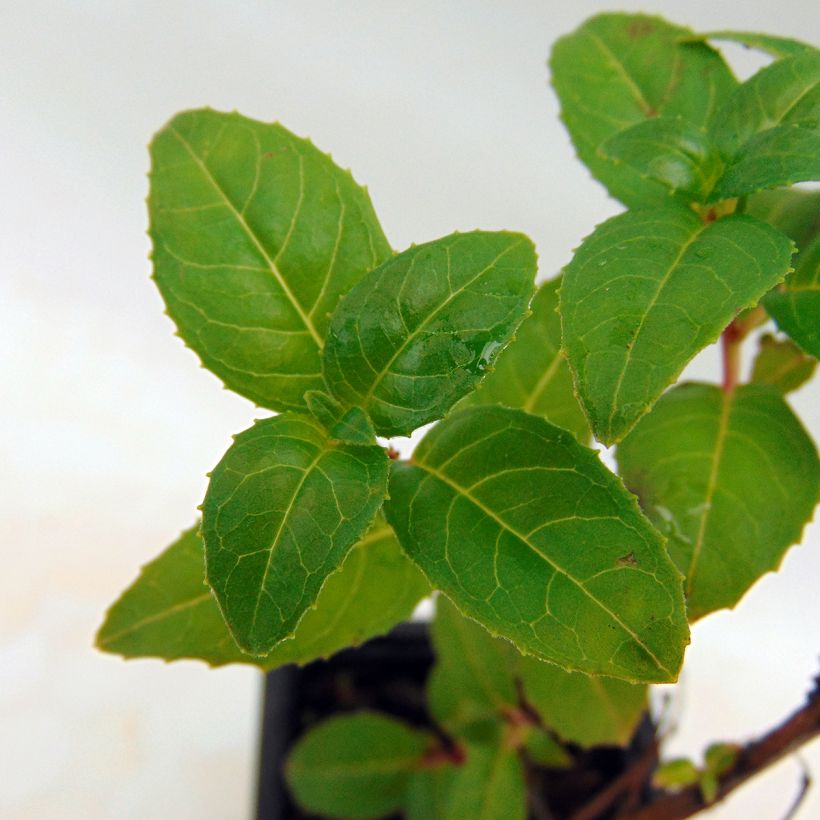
(618, 70)
(355, 765)
(668, 150)
(256, 234)
(473, 680)
(169, 612)
(648, 290)
(730, 478)
(781, 364)
(489, 786)
(589, 711)
(283, 509)
(418, 333)
(532, 373)
(528, 533)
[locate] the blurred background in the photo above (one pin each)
(107, 425)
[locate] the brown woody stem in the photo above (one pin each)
(798, 729)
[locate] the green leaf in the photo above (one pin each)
(732, 478)
(419, 332)
(489, 786)
(528, 533)
(648, 290)
(472, 682)
(618, 70)
(355, 765)
(781, 364)
(779, 156)
(676, 773)
(531, 373)
(428, 793)
(543, 749)
(668, 150)
(795, 212)
(354, 428)
(720, 757)
(169, 612)
(256, 234)
(589, 711)
(283, 509)
(776, 46)
(325, 409)
(796, 307)
(781, 93)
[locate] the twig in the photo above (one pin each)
(798, 729)
(805, 784)
(628, 782)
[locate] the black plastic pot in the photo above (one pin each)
(388, 675)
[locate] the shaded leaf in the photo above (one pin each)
(419, 332)
(529, 534)
(531, 373)
(355, 765)
(796, 306)
(283, 509)
(731, 478)
(617, 70)
(256, 234)
(428, 793)
(779, 156)
(583, 709)
(473, 681)
(489, 786)
(795, 212)
(781, 364)
(648, 290)
(169, 612)
(776, 46)
(668, 150)
(544, 750)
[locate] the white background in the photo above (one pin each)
(107, 426)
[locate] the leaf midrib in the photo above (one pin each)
(711, 486)
(465, 493)
(420, 327)
(242, 222)
(701, 229)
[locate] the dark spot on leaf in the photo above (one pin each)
(640, 28)
(628, 560)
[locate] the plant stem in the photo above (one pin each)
(798, 729)
(730, 343)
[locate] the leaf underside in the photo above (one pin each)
(284, 507)
(170, 613)
(419, 332)
(526, 532)
(730, 478)
(781, 364)
(589, 711)
(256, 234)
(647, 291)
(473, 680)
